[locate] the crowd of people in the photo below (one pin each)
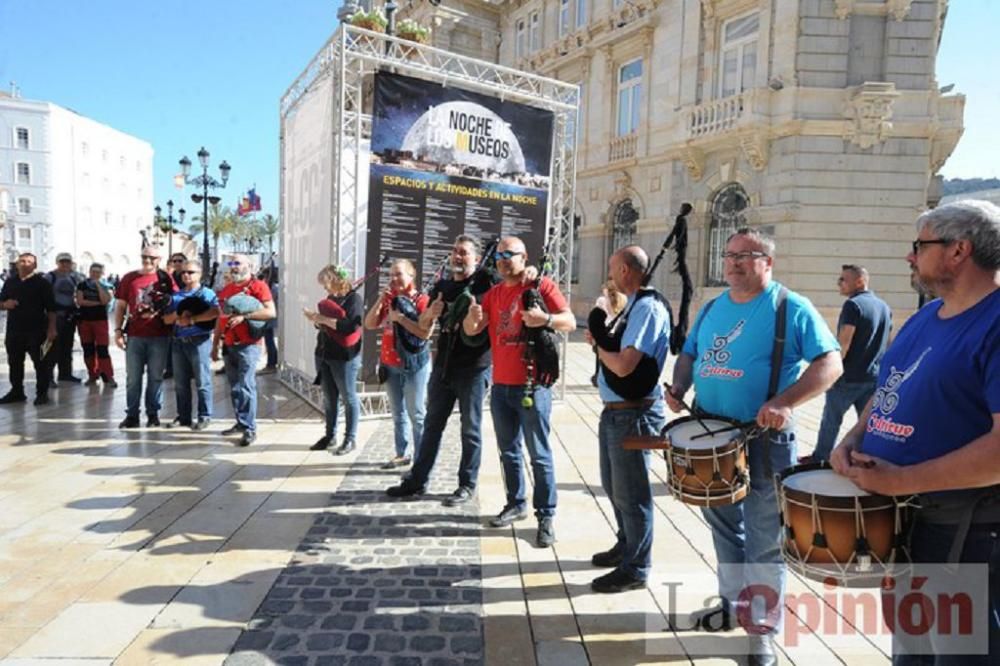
(928, 403)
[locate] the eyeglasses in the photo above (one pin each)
(506, 255)
(147, 257)
(177, 261)
(190, 272)
(743, 256)
(234, 264)
(917, 244)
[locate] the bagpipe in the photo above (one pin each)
(408, 344)
(456, 311)
(194, 306)
(541, 344)
(330, 308)
(244, 304)
(608, 335)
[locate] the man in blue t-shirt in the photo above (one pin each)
(933, 426)
(727, 357)
(863, 333)
(192, 312)
(625, 473)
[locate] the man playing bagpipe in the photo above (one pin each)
(246, 307)
(461, 373)
(521, 401)
(192, 313)
(404, 356)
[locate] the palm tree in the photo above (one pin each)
(269, 227)
(221, 221)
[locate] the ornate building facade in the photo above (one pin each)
(819, 120)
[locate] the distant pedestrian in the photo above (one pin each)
(31, 328)
(92, 298)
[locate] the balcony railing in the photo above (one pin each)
(719, 115)
(623, 147)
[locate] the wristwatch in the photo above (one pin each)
(548, 322)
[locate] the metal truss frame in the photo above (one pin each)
(353, 55)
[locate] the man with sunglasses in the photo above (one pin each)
(932, 429)
(513, 418)
(863, 333)
(144, 296)
(242, 346)
(746, 370)
(192, 312)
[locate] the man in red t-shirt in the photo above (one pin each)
(144, 296)
(503, 313)
(242, 344)
(406, 371)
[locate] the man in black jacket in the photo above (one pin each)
(31, 321)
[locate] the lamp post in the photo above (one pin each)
(170, 223)
(204, 181)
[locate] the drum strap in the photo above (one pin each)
(777, 352)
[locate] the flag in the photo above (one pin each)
(243, 206)
(254, 199)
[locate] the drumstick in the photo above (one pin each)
(697, 418)
(735, 426)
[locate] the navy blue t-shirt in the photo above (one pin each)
(939, 385)
(872, 321)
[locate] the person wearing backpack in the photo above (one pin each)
(247, 306)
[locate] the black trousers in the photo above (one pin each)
(62, 351)
(19, 344)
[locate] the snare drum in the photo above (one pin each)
(706, 469)
(835, 531)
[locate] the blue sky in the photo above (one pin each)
(187, 73)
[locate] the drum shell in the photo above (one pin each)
(702, 488)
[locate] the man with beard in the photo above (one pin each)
(242, 347)
(31, 321)
(515, 417)
(933, 427)
(64, 280)
(461, 373)
(143, 294)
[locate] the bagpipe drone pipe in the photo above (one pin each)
(608, 335)
(328, 308)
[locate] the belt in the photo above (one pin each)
(630, 404)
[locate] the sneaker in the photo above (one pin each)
(179, 422)
(761, 651)
(13, 397)
(237, 429)
(344, 448)
(201, 424)
(71, 379)
(153, 421)
(248, 438)
(268, 370)
(321, 444)
(91, 381)
(508, 515)
(129, 422)
(608, 558)
(461, 495)
(109, 381)
(546, 535)
(405, 489)
(41, 399)
(398, 461)
(616, 581)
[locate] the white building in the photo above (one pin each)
(72, 185)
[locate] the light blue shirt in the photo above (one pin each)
(732, 344)
(648, 330)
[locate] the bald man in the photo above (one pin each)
(503, 313)
(625, 473)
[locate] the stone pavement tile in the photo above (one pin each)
(202, 646)
(74, 633)
(11, 637)
(43, 661)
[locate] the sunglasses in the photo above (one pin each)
(506, 255)
(234, 264)
(190, 272)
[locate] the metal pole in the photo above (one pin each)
(204, 182)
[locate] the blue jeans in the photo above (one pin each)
(469, 390)
(747, 536)
(272, 348)
(407, 391)
(241, 370)
(339, 380)
(192, 360)
(144, 356)
(839, 399)
(513, 424)
(625, 479)
(930, 544)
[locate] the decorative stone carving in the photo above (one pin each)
(843, 8)
(869, 114)
(694, 161)
(707, 9)
(754, 147)
(899, 9)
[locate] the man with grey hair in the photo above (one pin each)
(932, 429)
(754, 354)
(863, 333)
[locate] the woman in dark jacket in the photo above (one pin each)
(338, 358)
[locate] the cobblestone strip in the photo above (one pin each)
(377, 581)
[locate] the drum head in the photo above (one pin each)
(681, 434)
(824, 482)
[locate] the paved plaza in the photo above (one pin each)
(165, 547)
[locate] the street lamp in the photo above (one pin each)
(204, 181)
(170, 229)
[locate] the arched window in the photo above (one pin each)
(729, 210)
(623, 225)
